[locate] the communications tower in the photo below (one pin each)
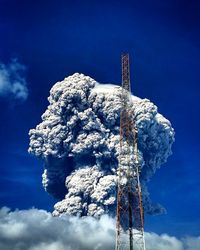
(130, 214)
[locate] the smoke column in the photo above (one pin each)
(78, 140)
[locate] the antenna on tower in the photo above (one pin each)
(130, 214)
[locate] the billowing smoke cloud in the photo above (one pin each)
(38, 230)
(78, 139)
(12, 80)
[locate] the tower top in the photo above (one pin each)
(125, 72)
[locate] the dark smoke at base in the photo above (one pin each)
(78, 139)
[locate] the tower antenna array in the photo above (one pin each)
(130, 214)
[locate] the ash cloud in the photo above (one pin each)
(36, 229)
(78, 140)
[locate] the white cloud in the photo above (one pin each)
(192, 243)
(12, 81)
(163, 242)
(35, 229)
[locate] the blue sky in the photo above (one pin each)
(54, 39)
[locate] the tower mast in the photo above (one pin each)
(130, 215)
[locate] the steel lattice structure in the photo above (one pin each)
(130, 215)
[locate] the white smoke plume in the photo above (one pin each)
(78, 139)
(35, 229)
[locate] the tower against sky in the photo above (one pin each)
(130, 214)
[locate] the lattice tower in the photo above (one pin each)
(130, 214)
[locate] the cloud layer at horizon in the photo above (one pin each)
(35, 229)
(12, 80)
